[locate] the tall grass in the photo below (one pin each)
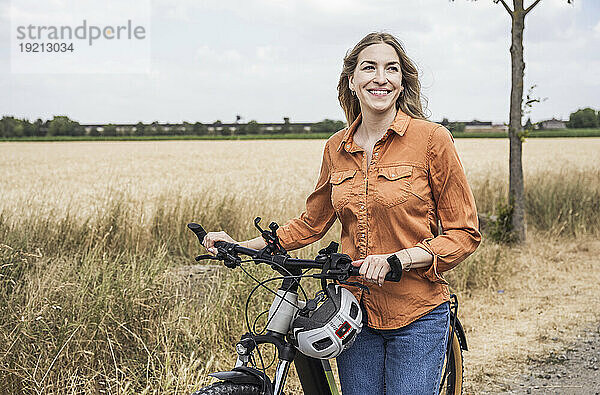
(566, 202)
(562, 203)
(110, 303)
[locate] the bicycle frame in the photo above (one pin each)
(316, 376)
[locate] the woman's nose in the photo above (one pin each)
(380, 77)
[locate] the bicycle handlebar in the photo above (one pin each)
(340, 265)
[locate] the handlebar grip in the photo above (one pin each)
(198, 231)
(388, 277)
(394, 275)
(201, 233)
(396, 266)
(221, 244)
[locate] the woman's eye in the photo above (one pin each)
(369, 68)
(394, 68)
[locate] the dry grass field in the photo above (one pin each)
(97, 295)
(85, 174)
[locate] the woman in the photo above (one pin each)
(389, 177)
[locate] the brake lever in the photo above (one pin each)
(231, 261)
(205, 256)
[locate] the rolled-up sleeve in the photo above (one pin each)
(455, 208)
(317, 217)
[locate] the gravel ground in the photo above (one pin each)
(575, 370)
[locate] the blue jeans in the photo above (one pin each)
(404, 361)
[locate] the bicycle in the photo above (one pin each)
(316, 376)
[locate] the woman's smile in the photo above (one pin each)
(379, 92)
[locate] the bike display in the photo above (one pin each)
(307, 332)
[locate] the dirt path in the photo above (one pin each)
(540, 332)
(575, 370)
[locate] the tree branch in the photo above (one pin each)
(531, 6)
(510, 12)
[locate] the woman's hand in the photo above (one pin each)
(212, 237)
(374, 268)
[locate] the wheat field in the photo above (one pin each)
(82, 176)
(98, 294)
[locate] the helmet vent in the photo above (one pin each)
(322, 344)
(354, 310)
(349, 337)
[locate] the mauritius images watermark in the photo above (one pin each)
(80, 36)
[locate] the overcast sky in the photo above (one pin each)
(267, 59)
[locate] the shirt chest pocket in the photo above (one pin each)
(393, 185)
(342, 184)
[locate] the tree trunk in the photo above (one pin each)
(516, 189)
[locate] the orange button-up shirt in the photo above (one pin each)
(415, 178)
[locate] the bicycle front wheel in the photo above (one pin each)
(453, 383)
(227, 388)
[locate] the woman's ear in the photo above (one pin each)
(351, 83)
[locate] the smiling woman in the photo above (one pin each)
(389, 177)
(400, 66)
(377, 81)
(410, 177)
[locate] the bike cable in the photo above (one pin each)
(261, 284)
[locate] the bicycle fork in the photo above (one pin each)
(315, 375)
(281, 314)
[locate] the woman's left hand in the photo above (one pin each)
(374, 268)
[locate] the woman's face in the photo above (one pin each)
(377, 79)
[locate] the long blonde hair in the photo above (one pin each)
(409, 100)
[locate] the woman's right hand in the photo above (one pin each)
(212, 237)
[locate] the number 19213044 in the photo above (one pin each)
(46, 47)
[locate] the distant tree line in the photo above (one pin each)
(63, 126)
(584, 118)
(453, 126)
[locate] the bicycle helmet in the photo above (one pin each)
(331, 328)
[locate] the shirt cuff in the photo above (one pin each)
(432, 273)
(285, 239)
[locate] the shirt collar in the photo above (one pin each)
(399, 125)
